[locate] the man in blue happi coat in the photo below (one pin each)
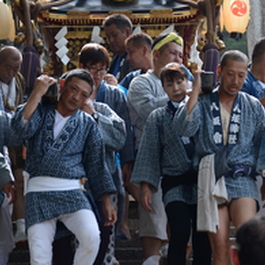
(64, 146)
(228, 127)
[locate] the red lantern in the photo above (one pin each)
(236, 15)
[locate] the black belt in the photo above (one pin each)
(169, 182)
(240, 170)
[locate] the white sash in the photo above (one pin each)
(39, 184)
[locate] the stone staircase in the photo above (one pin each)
(126, 252)
(19, 257)
(130, 252)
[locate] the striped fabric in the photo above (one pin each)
(145, 94)
(29, 67)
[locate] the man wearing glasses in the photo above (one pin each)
(95, 59)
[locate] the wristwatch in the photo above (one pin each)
(95, 116)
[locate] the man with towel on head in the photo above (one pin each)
(146, 94)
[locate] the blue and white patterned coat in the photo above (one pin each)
(162, 152)
(113, 131)
(252, 86)
(200, 125)
(116, 100)
(77, 152)
(7, 138)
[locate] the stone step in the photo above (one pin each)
(136, 262)
(129, 255)
(19, 256)
(18, 263)
(129, 252)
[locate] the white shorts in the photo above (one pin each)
(153, 224)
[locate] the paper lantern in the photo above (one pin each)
(221, 20)
(12, 30)
(236, 15)
(5, 21)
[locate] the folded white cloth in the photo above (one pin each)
(38, 184)
(210, 194)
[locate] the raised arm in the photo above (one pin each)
(112, 127)
(196, 91)
(41, 86)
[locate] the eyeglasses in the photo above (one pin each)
(9, 68)
(94, 70)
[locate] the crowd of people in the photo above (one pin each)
(141, 125)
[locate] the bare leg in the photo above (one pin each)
(220, 241)
(19, 215)
(124, 226)
(19, 203)
(151, 246)
(241, 210)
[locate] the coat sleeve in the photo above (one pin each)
(142, 99)
(111, 126)
(147, 165)
(100, 181)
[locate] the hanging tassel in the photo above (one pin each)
(29, 67)
(211, 59)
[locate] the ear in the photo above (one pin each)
(145, 49)
(62, 83)
(155, 54)
(81, 65)
(234, 256)
(127, 32)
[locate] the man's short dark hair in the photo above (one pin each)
(78, 73)
(250, 241)
(94, 53)
(258, 51)
(120, 20)
(140, 39)
(233, 55)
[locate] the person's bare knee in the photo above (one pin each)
(220, 244)
(19, 183)
(241, 210)
(220, 240)
(151, 246)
